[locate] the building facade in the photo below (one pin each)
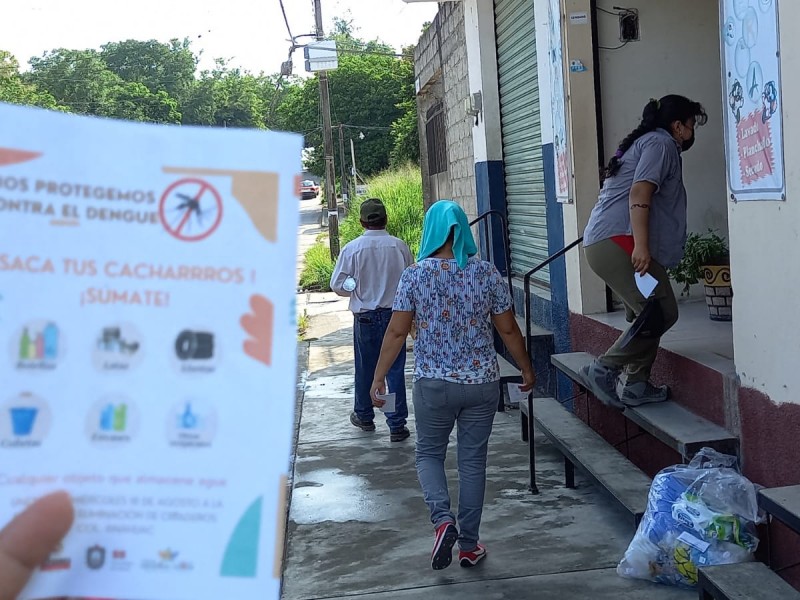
(558, 84)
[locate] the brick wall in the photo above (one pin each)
(440, 60)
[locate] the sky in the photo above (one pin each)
(251, 33)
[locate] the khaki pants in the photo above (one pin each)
(613, 265)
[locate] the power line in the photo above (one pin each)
(286, 20)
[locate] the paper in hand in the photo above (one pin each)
(515, 394)
(646, 283)
(391, 402)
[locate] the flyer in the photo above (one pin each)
(754, 99)
(147, 350)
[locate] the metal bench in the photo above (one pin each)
(669, 422)
(745, 581)
(583, 447)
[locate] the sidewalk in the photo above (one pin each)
(358, 525)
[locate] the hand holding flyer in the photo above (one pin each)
(146, 274)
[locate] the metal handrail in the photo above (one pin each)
(484, 218)
(527, 287)
(529, 347)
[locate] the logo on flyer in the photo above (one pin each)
(55, 562)
(95, 557)
(167, 561)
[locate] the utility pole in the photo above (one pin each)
(345, 188)
(330, 171)
(355, 173)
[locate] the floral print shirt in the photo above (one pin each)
(453, 309)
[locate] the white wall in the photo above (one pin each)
(482, 67)
(679, 54)
(765, 246)
(540, 15)
(585, 291)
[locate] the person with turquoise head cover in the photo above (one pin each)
(454, 299)
(444, 218)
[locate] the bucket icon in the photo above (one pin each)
(22, 420)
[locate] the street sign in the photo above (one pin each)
(321, 56)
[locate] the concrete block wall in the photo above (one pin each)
(428, 70)
(459, 124)
(440, 61)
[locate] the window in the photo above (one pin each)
(436, 139)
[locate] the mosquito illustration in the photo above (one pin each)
(188, 211)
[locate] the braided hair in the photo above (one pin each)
(657, 114)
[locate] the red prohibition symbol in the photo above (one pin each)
(190, 209)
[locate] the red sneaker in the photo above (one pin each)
(442, 555)
(473, 557)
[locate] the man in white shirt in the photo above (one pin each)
(368, 271)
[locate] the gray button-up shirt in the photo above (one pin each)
(654, 157)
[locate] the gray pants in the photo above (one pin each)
(438, 406)
(613, 265)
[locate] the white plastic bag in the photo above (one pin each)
(699, 514)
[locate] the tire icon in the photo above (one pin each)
(194, 345)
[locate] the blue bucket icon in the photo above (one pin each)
(22, 420)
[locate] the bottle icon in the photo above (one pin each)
(51, 341)
(188, 420)
(114, 418)
(120, 417)
(38, 349)
(107, 418)
(24, 345)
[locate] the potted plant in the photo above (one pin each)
(706, 258)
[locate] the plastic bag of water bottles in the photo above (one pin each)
(701, 514)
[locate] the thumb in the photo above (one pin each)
(29, 538)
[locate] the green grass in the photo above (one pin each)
(401, 192)
(318, 267)
(302, 325)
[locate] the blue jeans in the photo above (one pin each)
(368, 331)
(438, 406)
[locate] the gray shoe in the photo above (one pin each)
(637, 393)
(602, 382)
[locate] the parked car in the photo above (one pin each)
(308, 189)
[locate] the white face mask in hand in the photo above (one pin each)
(349, 284)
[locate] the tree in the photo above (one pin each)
(405, 132)
(365, 91)
(160, 67)
(227, 97)
(405, 135)
(77, 79)
(135, 102)
(16, 91)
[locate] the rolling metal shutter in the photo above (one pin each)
(522, 140)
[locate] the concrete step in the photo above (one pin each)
(543, 346)
(536, 330)
(583, 447)
(669, 422)
(508, 372)
(743, 582)
(783, 503)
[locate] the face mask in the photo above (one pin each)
(687, 144)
